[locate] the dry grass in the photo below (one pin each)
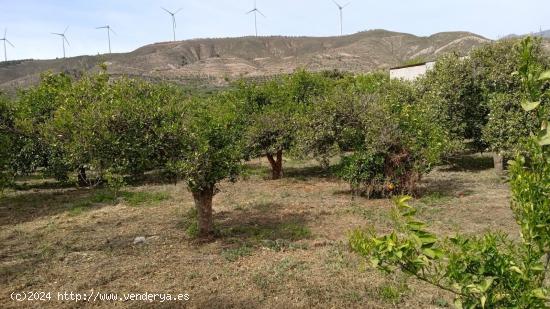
(281, 244)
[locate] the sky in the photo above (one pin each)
(142, 22)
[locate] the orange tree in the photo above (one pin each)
(487, 271)
(205, 149)
(272, 109)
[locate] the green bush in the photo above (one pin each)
(508, 124)
(486, 271)
(271, 111)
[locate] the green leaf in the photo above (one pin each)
(415, 225)
(529, 106)
(429, 239)
(516, 269)
(486, 284)
(545, 139)
(433, 253)
(541, 294)
(537, 268)
(483, 300)
(545, 75)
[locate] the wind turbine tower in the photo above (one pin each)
(5, 39)
(256, 12)
(63, 39)
(173, 14)
(109, 30)
(341, 9)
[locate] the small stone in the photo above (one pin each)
(139, 240)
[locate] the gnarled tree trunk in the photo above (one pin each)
(276, 164)
(498, 161)
(203, 204)
(82, 178)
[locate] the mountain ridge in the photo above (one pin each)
(217, 60)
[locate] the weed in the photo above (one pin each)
(435, 198)
(282, 245)
(233, 254)
(391, 292)
(139, 198)
(440, 302)
(189, 223)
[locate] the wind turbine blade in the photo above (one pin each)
(167, 11)
(65, 38)
(346, 4)
(66, 30)
(176, 12)
(104, 27)
(337, 4)
(111, 29)
(9, 42)
(56, 33)
(260, 13)
(251, 11)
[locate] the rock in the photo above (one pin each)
(139, 240)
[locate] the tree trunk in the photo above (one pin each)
(276, 165)
(498, 161)
(82, 178)
(203, 203)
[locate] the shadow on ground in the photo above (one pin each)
(263, 222)
(29, 206)
(469, 163)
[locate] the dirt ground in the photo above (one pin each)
(281, 244)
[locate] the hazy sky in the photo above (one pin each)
(140, 22)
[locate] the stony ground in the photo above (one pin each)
(280, 244)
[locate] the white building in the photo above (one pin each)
(411, 72)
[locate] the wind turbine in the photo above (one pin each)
(255, 11)
(109, 30)
(341, 8)
(5, 39)
(173, 14)
(63, 39)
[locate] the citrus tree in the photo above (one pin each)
(488, 271)
(33, 108)
(272, 109)
(8, 136)
(205, 149)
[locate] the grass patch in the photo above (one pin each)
(274, 277)
(288, 230)
(392, 292)
(141, 198)
(99, 197)
(105, 197)
(435, 198)
(189, 223)
(233, 254)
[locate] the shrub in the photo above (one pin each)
(457, 96)
(488, 271)
(508, 124)
(400, 141)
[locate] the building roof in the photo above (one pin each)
(411, 65)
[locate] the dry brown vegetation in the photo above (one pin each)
(280, 244)
(210, 61)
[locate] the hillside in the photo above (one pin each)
(544, 34)
(215, 60)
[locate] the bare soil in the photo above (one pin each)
(280, 244)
